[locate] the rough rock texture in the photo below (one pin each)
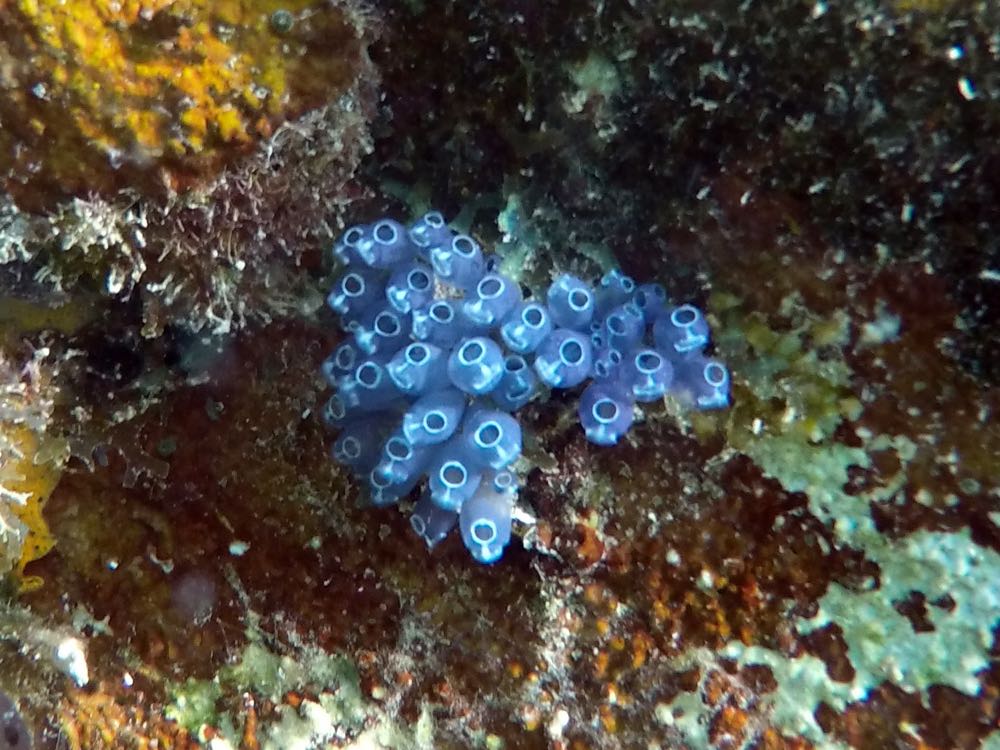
(812, 568)
(189, 156)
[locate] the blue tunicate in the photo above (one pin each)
(571, 303)
(383, 491)
(343, 361)
(476, 365)
(453, 478)
(493, 298)
(335, 412)
(651, 299)
(614, 289)
(466, 326)
(492, 439)
(517, 386)
(485, 522)
(598, 341)
(437, 324)
(419, 368)
(410, 287)
(607, 364)
(402, 461)
(431, 522)
(605, 412)
(368, 387)
(359, 445)
(346, 250)
(459, 263)
(681, 329)
(527, 326)
(564, 359)
(387, 245)
(434, 418)
(355, 291)
(430, 230)
(504, 481)
(703, 382)
(425, 395)
(648, 373)
(382, 331)
(624, 327)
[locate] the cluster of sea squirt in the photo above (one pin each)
(445, 349)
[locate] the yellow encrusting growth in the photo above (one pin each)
(30, 463)
(162, 89)
(34, 483)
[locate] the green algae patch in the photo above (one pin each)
(271, 676)
(790, 381)
(794, 389)
(334, 710)
(194, 704)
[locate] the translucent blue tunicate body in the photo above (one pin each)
(681, 329)
(526, 326)
(431, 522)
(454, 477)
(367, 387)
(418, 368)
(355, 291)
(607, 364)
(648, 374)
(703, 382)
(359, 445)
(346, 250)
(651, 300)
(517, 386)
(382, 330)
(504, 481)
(564, 359)
(476, 365)
(444, 353)
(402, 461)
(492, 439)
(485, 522)
(387, 246)
(437, 324)
(615, 288)
(410, 287)
(623, 327)
(434, 418)
(459, 263)
(384, 491)
(430, 230)
(493, 298)
(343, 360)
(335, 413)
(605, 412)
(571, 303)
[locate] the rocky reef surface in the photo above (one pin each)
(817, 566)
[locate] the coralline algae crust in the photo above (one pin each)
(952, 573)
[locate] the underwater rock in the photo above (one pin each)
(159, 97)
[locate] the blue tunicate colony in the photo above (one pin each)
(445, 349)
